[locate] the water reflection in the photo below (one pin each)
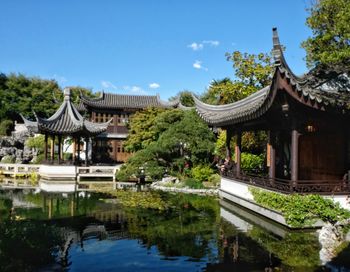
(84, 231)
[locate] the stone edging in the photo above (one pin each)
(212, 192)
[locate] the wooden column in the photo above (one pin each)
(45, 150)
(78, 156)
(74, 149)
(271, 154)
(238, 152)
(52, 148)
(294, 156)
(229, 134)
(86, 151)
(59, 149)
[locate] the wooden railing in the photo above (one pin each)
(325, 187)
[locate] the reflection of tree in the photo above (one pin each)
(26, 245)
(185, 231)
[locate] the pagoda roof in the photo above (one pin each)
(321, 88)
(65, 121)
(123, 101)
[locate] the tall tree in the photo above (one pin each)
(330, 41)
(252, 72)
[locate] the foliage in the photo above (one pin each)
(193, 183)
(24, 95)
(37, 143)
(252, 142)
(6, 126)
(186, 98)
(142, 129)
(252, 72)
(215, 179)
(179, 137)
(330, 41)
(202, 172)
(251, 162)
(301, 210)
(8, 159)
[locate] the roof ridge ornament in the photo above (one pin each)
(277, 48)
(67, 94)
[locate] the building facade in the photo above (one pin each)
(108, 147)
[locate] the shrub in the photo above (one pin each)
(202, 172)
(8, 159)
(251, 162)
(193, 183)
(215, 179)
(6, 126)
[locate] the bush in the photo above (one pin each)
(8, 159)
(6, 126)
(252, 163)
(193, 183)
(215, 179)
(202, 172)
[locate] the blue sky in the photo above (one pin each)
(144, 46)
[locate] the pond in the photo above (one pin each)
(88, 232)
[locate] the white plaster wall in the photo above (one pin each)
(57, 170)
(236, 188)
(57, 187)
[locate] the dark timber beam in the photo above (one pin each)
(45, 151)
(295, 156)
(238, 149)
(271, 154)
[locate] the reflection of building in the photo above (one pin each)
(108, 146)
(307, 121)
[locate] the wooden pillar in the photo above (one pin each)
(74, 149)
(238, 152)
(294, 156)
(78, 157)
(52, 148)
(45, 151)
(86, 151)
(59, 149)
(271, 154)
(229, 134)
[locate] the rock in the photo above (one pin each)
(330, 237)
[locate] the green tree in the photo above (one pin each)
(179, 136)
(252, 72)
(186, 98)
(330, 41)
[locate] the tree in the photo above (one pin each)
(330, 41)
(142, 129)
(252, 72)
(179, 136)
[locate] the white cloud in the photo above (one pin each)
(212, 43)
(108, 85)
(135, 90)
(154, 85)
(198, 65)
(200, 45)
(195, 46)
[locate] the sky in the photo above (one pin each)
(144, 47)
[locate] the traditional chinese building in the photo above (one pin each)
(307, 121)
(66, 122)
(109, 146)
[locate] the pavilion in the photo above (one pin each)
(306, 119)
(66, 122)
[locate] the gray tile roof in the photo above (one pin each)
(122, 101)
(66, 121)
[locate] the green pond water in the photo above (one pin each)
(89, 232)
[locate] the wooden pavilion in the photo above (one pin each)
(306, 119)
(66, 122)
